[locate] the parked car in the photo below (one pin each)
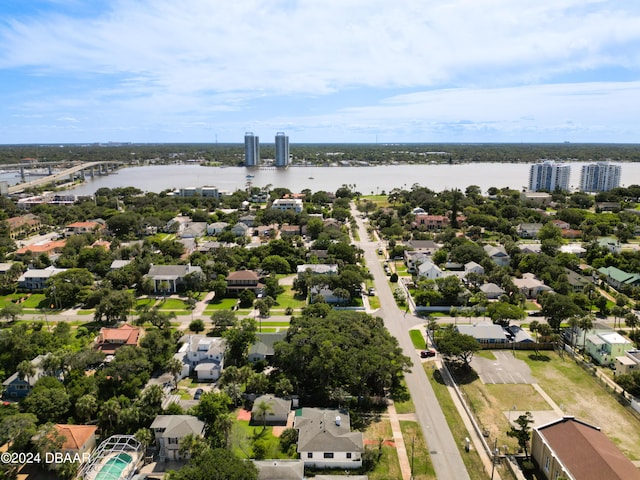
(372, 292)
(198, 394)
(428, 353)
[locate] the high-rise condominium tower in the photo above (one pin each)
(251, 150)
(549, 175)
(282, 150)
(600, 177)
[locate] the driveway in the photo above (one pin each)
(504, 369)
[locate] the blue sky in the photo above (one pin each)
(74, 71)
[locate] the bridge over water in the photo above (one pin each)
(89, 168)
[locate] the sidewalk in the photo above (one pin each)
(398, 440)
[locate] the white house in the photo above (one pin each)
(318, 269)
(498, 254)
(36, 278)
(473, 267)
(294, 204)
(429, 270)
(325, 439)
(202, 355)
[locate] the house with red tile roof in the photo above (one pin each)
(48, 248)
(77, 228)
(570, 448)
(110, 339)
(78, 439)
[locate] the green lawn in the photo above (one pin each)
(29, 300)
(244, 435)
(289, 299)
(222, 304)
(471, 459)
(374, 302)
(418, 339)
(172, 304)
(388, 467)
(417, 451)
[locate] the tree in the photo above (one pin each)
(502, 313)
(222, 319)
(586, 323)
(114, 307)
(246, 298)
(457, 345)
(558, 308)
(11, 311)
(86, 406)
(196, 326)
(522, 432)
(17, 430)
(48, 401)
(218, 464)
(239, 339)
(25, 370)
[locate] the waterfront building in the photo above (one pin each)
(251, 150)
(282, 150)
(549, 175)
(600, 177)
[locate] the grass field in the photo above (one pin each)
(388, 467)
(417, 451)
(222, 304)
(289, 299)
(172, 304)
(417, 339)
(244, 435)
(471, 459)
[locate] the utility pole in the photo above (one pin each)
(413, 441)
(494, 457)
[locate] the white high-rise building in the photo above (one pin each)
(282, 150)
(600, 177)
(549, 175)
(251, 150)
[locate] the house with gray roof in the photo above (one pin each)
(216, 228)
(492, 291)
(528, 230)
(473, 267)
(280, 469)
(169, 430)
(498, 255)
(16, 387)
(36, 278)
(168, 278)
(277, 413)
(429, 270)
(484, 332)
(530, 286)
(202, 355)
(325, 439)
(262, 349)
(413, 258)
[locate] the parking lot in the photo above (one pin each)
(504, 369)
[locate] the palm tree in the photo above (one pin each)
(262, 409)
(174, 367)
(574, 323)
(223, 425)
(86, 406)
(586, 324)
(26, 370)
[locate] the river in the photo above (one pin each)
(367, 180)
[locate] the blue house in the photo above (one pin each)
(16, 387)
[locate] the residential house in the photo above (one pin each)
(78, 228)
(202, 355)
(413, 258)
(118, 264)
(16, 387)
(169, 430)
(111, 339)
(516, 334)
(561, 224)
(528, 230)
(290, 230)
(284, 204)
(325, 439)
(318, 269)
(530, 248)
(605, 347)
(50, 249)
(577, 281)
(611, 244)
(280, 469)
(619, 278)
(276, 414)
(484, 332)
(243, 280)
(539, 198)
(248, 220)
(573, 248)
(607, 207)
(326, 293)
(216, 228)
(492, 291)
(429, 270)
(262, 349)
(36, 278)
(318, 254)
(424, 221)
(168, 278)
(78, 439)
(5, 268)
(241, 230)
(498, 255)
(24, 225)
(193, 230)
(530, 286)
(627, 363)
(427, 246)
(570, 448)
(473, 267)
(265, 231)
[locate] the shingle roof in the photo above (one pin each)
(177, 426)
(326, 430)
(586, 452)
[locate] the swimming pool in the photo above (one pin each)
(113, 468)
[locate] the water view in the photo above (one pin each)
(367, 180)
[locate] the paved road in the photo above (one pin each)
(444, 452)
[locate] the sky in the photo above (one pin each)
(85, 71)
